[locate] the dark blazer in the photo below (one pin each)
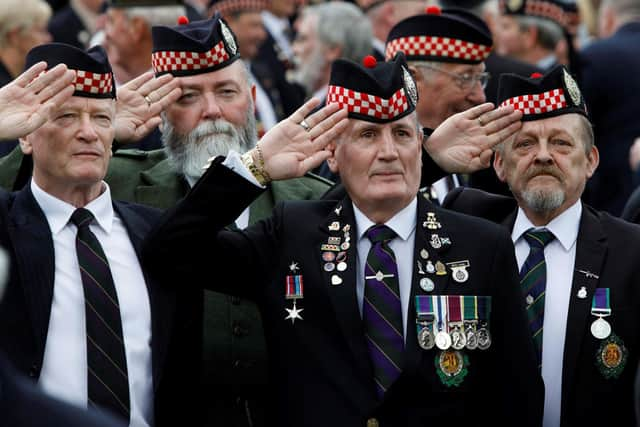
(26, 306)
(22, 404)
(65, 26)
(609, 70)
(319, 366)
(609, 248)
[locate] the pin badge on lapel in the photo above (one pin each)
(459, 270)
(582, 293)
(431, 223)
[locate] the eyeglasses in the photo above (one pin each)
(463, 81)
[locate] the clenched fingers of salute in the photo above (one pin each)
(25, 103)
(464, 142)
(140, 103)
(296, 144)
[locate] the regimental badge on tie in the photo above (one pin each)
(294, 290)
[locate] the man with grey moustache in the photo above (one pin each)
(214, 115)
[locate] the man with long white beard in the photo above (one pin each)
(214, 114)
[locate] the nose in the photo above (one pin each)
(476, 94)
(543, 155)
(211, 109)
(387, 150)
(87, 131)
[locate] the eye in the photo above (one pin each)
(523, 143)
(188, 97)
(367, 134)
(465, 78)
(103, 119)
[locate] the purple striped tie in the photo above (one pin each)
(107, 376)
(382, 312)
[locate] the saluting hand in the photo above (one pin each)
(464, 142)
(25, 103)
(296, 145)
(140, 103)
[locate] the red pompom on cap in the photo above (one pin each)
(369, 61)
(433, 10)
(536, 76)
(183, 20)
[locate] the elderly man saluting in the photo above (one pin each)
(379, 309)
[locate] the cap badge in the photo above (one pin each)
(572, 88)
(228, 38)
(410, 86)
(514, 5)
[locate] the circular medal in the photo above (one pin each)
(443, 340)
(427, 284)
(329, 266)
(342, 266)
(451, 367)
(460, 275)
(458, 339)
(484, 338)
(424, 254)
(345, 246)
(600, 328)
(425, 339)
(472, 339)
(328, 256)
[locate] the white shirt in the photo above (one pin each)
(64, 368)
(442, 186)
(404, 224)
(277, 28)
(560, 257)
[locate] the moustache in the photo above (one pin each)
(532, 173)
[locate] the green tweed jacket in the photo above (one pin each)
(234, 353)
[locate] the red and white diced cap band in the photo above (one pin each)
(171, 61)
(94, 83)
(369, 105)
(443, 47)
(538, 103)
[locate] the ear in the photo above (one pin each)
(253, 97)
(332, 162)
(25, 146)
(498, 166)
(593, 159)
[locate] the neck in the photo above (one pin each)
(78, 195)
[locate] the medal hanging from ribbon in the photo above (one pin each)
(442, 338)
(294, 290)
(470, 320)
(601, 308)
(424, 321)
(458, 338)
(484, 311)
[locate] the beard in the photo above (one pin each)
(307, 73)
(189, 153)
(543, 200)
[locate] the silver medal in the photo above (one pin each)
(443, 340)
(427, 284)
(600, 328)
(484, 338)
(458, 339)
(425, 339)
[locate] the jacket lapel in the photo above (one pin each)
(591, 250)
(161, 298)
(341, 285)
(31, 238)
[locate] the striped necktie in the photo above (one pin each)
(107, 380)
(533, 280)
(382, 312)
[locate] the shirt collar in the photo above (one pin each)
(58, 212)
(403, 223)
(564, 227)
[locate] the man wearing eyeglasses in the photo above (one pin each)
(445, 51)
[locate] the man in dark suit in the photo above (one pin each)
(352, 337)
(89, 326)
(609, 67)
(584, 321)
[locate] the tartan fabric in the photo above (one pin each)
(381, 311)
(107, 377)
(533, 280)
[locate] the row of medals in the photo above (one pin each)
(470, 336)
